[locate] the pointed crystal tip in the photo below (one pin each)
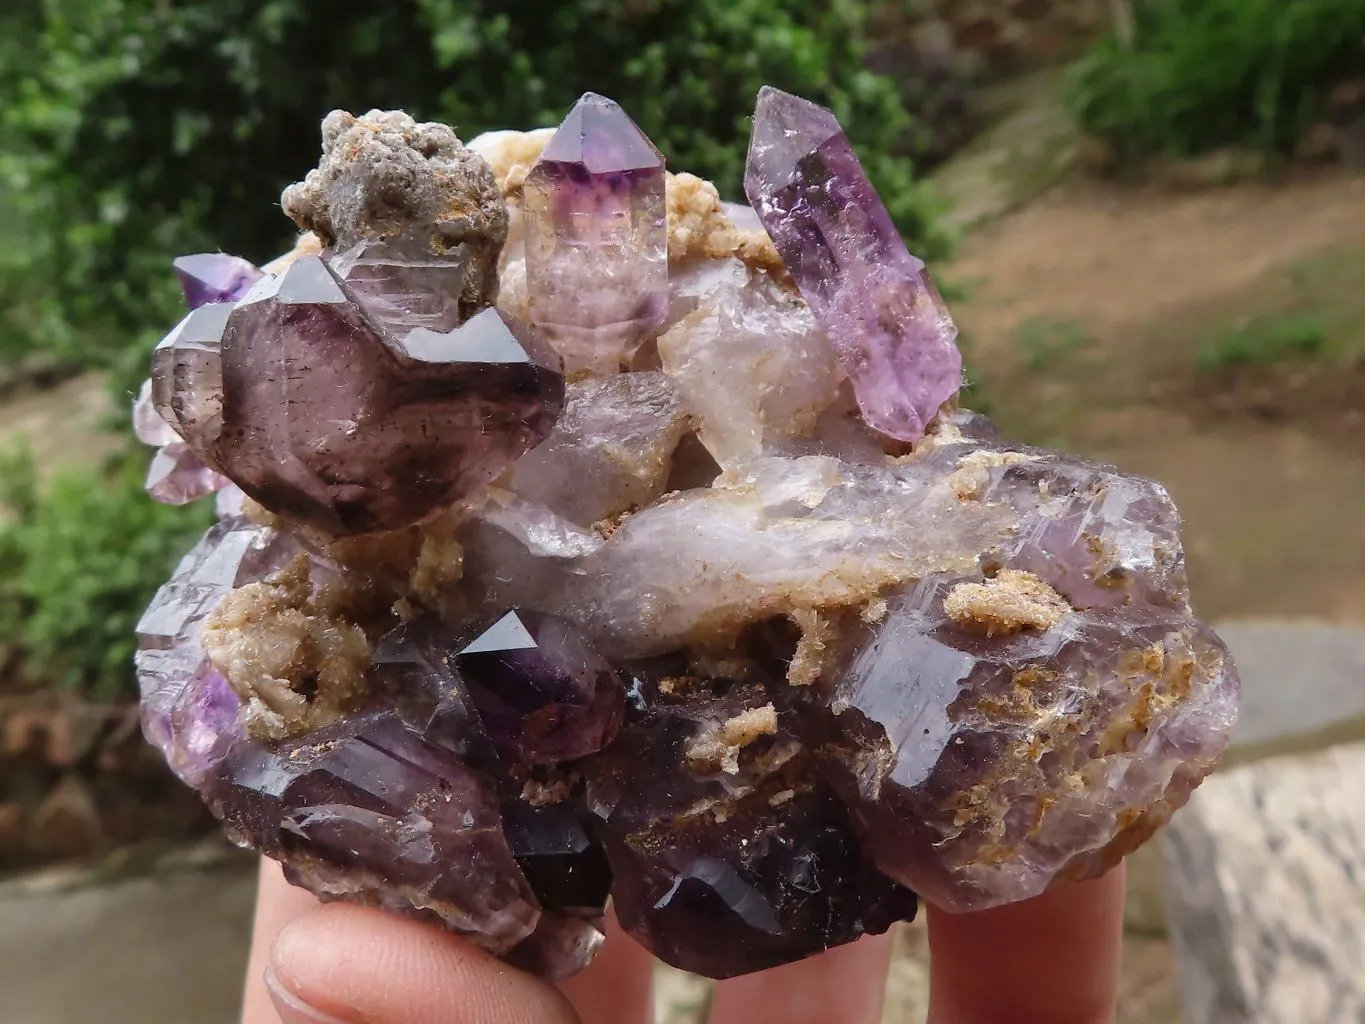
(214, 277)
(599, 135)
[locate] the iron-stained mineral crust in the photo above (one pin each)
(642, 554)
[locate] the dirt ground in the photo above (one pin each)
(1088, 314)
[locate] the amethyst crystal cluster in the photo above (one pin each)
(584, 537)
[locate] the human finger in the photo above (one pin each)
(277, 903)
(845, 985)
(340, 964)
(1049, 960)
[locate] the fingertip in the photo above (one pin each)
(1055, 957)
(348, 963)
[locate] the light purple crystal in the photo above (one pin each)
(876, 302)
(596, 237)
(209, 277)
(148, 425)
(987, 769)
(177, 476)
(185, 710)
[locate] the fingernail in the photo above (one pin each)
(291, 1008)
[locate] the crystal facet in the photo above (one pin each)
(596, 237)
(876, 302)
(540, 691)
(314, 408)
(209, 277)
(688, 632)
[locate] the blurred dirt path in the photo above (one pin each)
(1268, 468)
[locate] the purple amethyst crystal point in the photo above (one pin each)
(367, 810)
(541, 692)
(986, 768)
(733, 855)
(187, 709)
(596, 237)
(570, 876)
(177, 476)
(402, 292)
(209, 277)
(329, 418)
(875, 301)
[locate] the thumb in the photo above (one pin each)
(346, 965)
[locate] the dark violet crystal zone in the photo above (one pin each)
(326, 413)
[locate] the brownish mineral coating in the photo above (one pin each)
(719, 745)
(291, 652)
(385, 177)
(699, 227)
(1014, 600)
(1156, 681)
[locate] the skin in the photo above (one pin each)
(1051, 960)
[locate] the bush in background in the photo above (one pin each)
(144, 128)
(1203, 74)
(79, 559)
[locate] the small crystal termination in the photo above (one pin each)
(596, 238)
(214, 277)
(876, 302)
(178, 475)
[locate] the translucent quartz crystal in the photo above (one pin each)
(177, 476)
(750, 362)
(596, 239)
(985, 768)
(611, 450)
(688, 632)
(312, 406)
(188, 709)
(876, 302)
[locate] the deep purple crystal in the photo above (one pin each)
(597, 237)
(876, 302)
(728, 871)
(209, 277)
(540, 690)
(367, 810)
(320, 412)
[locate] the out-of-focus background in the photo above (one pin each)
(1148, 215)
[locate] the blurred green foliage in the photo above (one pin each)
(143, 128)
(80, 557)
(1269, 338)
(1209, 73)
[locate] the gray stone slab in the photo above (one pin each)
(1265, 886)
(148, 950)
(1303, 684)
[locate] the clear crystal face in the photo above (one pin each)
(628, 586)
